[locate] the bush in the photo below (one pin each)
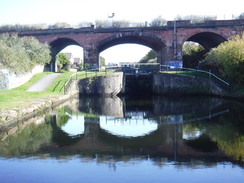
(63, 62)
(21, 54)
(227, 59)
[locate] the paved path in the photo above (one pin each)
(43, 83)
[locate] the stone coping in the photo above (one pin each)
(9, 118)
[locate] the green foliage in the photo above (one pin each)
(81, 66)
(192, 54)
(63, 62)
(86, 66)
(37, 52)
(102, 61)
(21, 55)
(57, 85)
(150, 57)
(26, 140)
(19, 97)
(227, 59)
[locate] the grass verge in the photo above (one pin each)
(19, 97)
(189, 73)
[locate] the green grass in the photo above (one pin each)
(19, 97)
(58, 83)
(240, 92)
(190, 73)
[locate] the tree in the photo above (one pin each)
(60, 25)
(228, 59)
(38, 53)
(159, 21)
(196, 18)
(102, 23)
(63, 62)
(192, 54)
(150, 57)
(21, 55)
(138, 24)
(85, 24)
(121, 23)
(102, 61)
(114, 23)
(241, 17)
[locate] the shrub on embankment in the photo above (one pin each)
(227, 60)
(21, 54)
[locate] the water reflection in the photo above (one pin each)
(134, 127)
(184, 132)
(74, 126)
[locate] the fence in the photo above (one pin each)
(85, 74)
(182, 70)
(68, 83)
(199, 73)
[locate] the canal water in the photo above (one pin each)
(128, 139)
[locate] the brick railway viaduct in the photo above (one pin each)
(167, 40)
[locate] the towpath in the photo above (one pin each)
(43, 83)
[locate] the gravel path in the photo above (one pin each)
(43, 83)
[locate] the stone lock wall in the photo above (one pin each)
(171, 84)
(101, 85)
(162, 84)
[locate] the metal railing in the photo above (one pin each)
(87, 73)
(197, 72)
(68, 83)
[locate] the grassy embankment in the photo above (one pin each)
(19, 97)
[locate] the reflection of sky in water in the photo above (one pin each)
(192, 135)
(141, 170)
(133, 127)
(74, 126)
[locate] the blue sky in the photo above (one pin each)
(76, 11)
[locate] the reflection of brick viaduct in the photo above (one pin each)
(165, 141)
(167, 40)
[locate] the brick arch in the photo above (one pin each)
(148, 40)
(207, 39)
(56, 46)
(60, 43)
